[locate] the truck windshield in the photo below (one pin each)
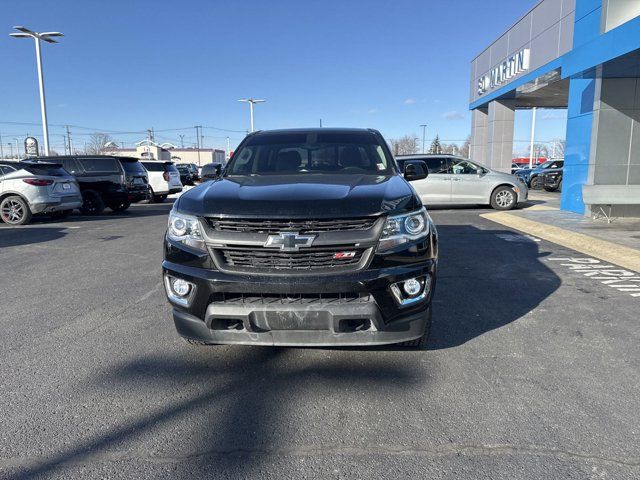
(309, 153)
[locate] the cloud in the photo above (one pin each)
(452, 115)
(371, 111)
(409, 101)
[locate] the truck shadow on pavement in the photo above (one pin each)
(486, 280)
(233, 420)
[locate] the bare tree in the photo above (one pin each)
(97, 143)
(450, 148)
(540, 150)
(406, 145)
(557, 147)
(465, 150)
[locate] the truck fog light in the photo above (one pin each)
(411, 291)
(412, 287)
(181, 287)
(179, 291)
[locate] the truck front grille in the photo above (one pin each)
(265, 260)
(300, 226)
(288, 299)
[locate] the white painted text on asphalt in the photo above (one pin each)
(616, 277)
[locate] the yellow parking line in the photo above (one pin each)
(542, 208)
(608, 251)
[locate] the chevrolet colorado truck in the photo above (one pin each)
(309, 237)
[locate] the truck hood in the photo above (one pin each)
(300, 196)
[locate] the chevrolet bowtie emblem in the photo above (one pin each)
(289, 241)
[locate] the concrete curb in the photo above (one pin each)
(620, 255)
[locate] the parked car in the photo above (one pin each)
(186, 174)
(195, 171)
(164, 179)
(531, 175)
(309, 237)
(457, 181)
(102, 180)
(28, 188)
(136, 180)
(552, 180)
(516, 167)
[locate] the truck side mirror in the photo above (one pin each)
(415, 171)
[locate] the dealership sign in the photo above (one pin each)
(31, 147)
(505, 71)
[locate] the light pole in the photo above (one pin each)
(198, 127)
(10, 149)
(251, 102)
(424, 131)
(533, 136)
(46, 36)
(17, 148)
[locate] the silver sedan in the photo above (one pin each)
(457, 181)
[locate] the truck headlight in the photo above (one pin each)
(185, 229)
(405, 228)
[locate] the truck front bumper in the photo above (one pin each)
(325, 310)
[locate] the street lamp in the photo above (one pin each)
(251, 101)
(47, 37)
(424, 131)
(17, 148)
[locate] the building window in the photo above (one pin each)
(618, 12)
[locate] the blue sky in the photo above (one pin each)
(129, 66)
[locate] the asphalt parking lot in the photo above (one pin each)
(532, 370)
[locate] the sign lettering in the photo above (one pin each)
(506, 70)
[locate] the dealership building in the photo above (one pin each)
(583, 55)
(200, 156)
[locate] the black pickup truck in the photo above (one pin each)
(309, 237)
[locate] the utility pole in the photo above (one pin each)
(424, 131)
(2, 150)
(17, 148)
(198, 127)
(251, 102)
(181, 140)
(64, 142)
(533, 136)
(69, 140)
(47, 37)
(11, 149)
(228, 148)
(320, 123)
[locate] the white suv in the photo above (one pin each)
(164, 179)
